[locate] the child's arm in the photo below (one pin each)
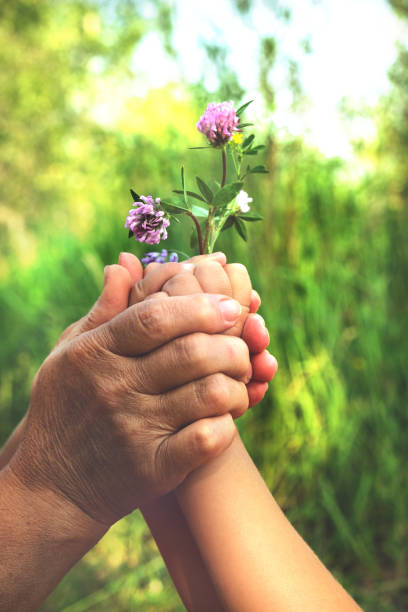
(254, 556)
(166, 521)
(256, 559)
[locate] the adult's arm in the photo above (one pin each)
(41, 538)
(97, 444)
(177, 545)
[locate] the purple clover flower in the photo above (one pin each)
(147, 222)
(155, 256)
(218, 123)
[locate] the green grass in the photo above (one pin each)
(330, 437)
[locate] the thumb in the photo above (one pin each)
(132, 265)
(196, 444)
(113, 299)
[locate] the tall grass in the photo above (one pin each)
(330, 437)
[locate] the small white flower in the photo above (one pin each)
(242, 201)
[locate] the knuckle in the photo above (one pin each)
(241, 403)
(237, 350)
(137, 293)
(150, 318)
(76, 353)
(204, 310)
(205, 439)
(191, 349)
(217, 391)
(172, 284)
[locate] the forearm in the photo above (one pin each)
(255, 557)
(41, 538)
(181, 555)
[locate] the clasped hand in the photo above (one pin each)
(131, 400)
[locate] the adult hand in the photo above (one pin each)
(106, 429)
(212, 272)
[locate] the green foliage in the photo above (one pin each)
(329, 260)
(205, 190)
(226, 194)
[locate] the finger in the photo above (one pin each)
(241, 291)
(132, 265)
(240, 283)
(256, 392)
(255, 333)
(159, 295)
(190, 358)
(154, 280)
(151, 266)
(183, 284)
(220, 257)
(255, 301)
(212, 277)
(193, 446)
(112, 301)
(206, 397)
(148, 325)
(264, 366)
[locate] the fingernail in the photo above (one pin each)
(230, 310)
(187, 266)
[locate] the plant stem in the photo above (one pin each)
(224, 167)
(214, 237)
(207, 228)
(199, 234)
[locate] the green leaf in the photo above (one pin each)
(241, 229)
(227, 193)
(258, 170)
(254, 150)
(248, 141)
(229, 223)
(250, 217)
(199, 211)
(136, 198)
(183, 185)
(242, 125)
(175, 208)
(205, 190)
(242, 108)
(193, 194)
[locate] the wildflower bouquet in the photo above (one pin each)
(212, 210)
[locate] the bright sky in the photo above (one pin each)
(353, 43)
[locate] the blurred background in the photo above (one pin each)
(99, 96)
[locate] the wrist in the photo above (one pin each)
(48, 515)
(42, 537)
